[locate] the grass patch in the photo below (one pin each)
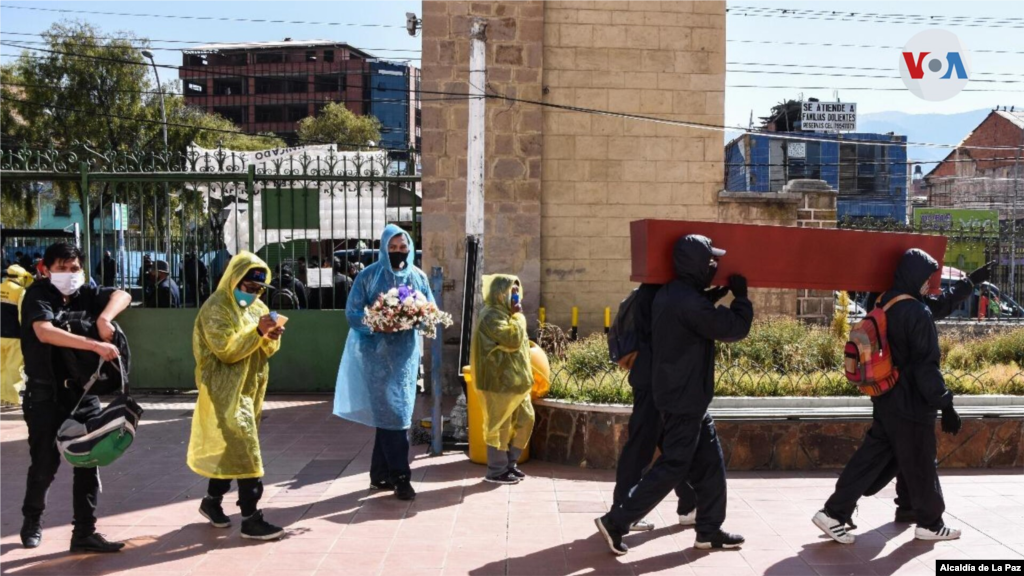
(784, 357)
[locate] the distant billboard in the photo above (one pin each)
(829, 117)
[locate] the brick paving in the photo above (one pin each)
(316, 486)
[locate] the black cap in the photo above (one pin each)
(162, 266)
(256, 275)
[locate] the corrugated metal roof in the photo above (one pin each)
(1016, 117)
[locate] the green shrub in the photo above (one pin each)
(786, 345)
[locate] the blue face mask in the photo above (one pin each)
(244, 299)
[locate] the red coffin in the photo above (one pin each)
(783, 257)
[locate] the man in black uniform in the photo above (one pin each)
(107, 270)
(902, 433)
(48, 402)
(941, 307)
(685, 328)
(644, 421)
(165, 293)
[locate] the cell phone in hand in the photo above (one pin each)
(278, 319)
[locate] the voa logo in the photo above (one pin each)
(935, 65)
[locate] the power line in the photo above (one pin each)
(178, 125)
(840, 13)
(869, 76)
(859, 88)
(207, 18)
(844, 16)
(868, 46)
(783, 65)
(49, 34)
(711, 127)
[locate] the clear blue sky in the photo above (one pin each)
(739, 101)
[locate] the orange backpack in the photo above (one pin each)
(868, 358)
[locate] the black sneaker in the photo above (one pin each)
(612, 536)
(404, 489)
(718, 539)
(94, 543)
(382, 485)
(256, 528)
(515, 471)
(31, 533)
(212, 511)
(506, 477)
(905, 516)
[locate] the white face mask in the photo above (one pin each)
(67, 282)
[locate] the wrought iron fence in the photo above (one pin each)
(971, 245)
(610, 385)
(312, 212)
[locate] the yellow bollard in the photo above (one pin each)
(475, 413)
(607, 320)
(542, 315)
(575, 331)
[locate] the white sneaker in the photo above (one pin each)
(944, 533)
(642, 525)
(688, 519)
(832, 528)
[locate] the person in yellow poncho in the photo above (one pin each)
(11, 292)
(500, 364)
(234, 337)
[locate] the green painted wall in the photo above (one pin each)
(161, 342)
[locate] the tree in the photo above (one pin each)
(336, 123)
(90, 88)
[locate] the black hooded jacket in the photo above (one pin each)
(640, 374)
(684, 329)
(914, 342)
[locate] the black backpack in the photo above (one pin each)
(622, 338)
(81, 364)
(284, 299)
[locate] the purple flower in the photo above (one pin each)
(404, 293)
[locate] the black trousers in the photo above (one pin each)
(690, 451)
(893, 445)
(250, 490)
(45, 409)
(638, 452)
(390, 460)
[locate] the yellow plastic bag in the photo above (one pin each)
(541, 372)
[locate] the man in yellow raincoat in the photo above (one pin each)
(11, 292)
(233, 340)
(500, 364)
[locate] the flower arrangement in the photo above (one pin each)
(404, 308)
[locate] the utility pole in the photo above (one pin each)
(167, 193)
(1013, 220)
(475, 166)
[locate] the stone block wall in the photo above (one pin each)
(593, 438)
(663, 59)
(818, 210)
(514, 145)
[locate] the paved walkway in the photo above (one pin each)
(316, 486)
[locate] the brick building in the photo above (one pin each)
(563, 186)
(271, 86)
(974, 178)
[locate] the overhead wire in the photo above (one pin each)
(863, 46)
(204, 18)
(200, 42)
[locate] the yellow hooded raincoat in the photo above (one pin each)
(501, 369)
(12, 290)
(231, 373)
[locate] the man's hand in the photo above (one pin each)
(517, 308)
(981, 274)
(108, 352)
(267, 324)
(738, 285)
(951, 422)
(716, 294)
(106, 329)
(276, 333)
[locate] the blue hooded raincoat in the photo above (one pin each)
(377, 377)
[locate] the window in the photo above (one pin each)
(870, 168)
(297, 112)
(270, 58)
(62, 207)
(847, 168)
(814, 160)
(270, 114)
(328, 55)
(195, 60)
(236, 114)
(310, 55)
(228, 86)
(330, 83)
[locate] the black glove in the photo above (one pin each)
(981, 274)
(951, 423)
(738, 285)
(716, 294)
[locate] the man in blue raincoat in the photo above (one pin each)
(377, 377)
